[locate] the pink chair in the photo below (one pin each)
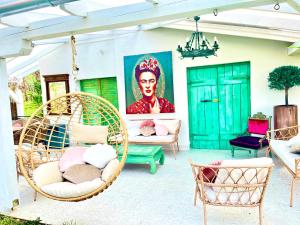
(255, 137)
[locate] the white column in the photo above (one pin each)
(8, 175)
(20, 103)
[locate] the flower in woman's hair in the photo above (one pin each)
(151, 64)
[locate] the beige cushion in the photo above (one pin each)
(147, 131)
(110, 169)
(81, 173)
(172, 125)
(69, 190)
(293, 140)
(280, 148)
(47, 173)
(90, 134)
(242, 175)
(295, 148)
(153, 138)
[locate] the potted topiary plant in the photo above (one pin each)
(284, 78)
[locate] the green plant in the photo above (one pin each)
(69, 223)
(284, 78)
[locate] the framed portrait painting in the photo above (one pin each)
(149, 83)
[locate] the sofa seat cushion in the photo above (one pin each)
(154, 138)
(281, 149)
(69, 190)
(248, 142)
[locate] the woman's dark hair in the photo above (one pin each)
(147, 66)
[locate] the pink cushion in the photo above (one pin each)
(71, 157)
(256, 126)
(161, 130)
(147, 123)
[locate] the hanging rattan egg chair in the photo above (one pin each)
(70, 121)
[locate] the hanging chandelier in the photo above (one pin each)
(197, 45)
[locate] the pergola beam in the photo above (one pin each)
(124, 16)
(294, 48)
(75, 8)
(242, 31)
(294, 4)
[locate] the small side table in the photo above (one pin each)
(144, 154)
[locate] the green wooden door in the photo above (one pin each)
(219, 104)
(104, 87)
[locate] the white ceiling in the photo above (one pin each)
(258, 22)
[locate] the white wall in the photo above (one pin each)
(104, 59)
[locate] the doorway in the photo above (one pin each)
(218, 104)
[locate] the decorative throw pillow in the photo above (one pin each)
(89, 134)
(161, 130)
(147, 131)
(147, 123)
(47, 173)
(171, 124)
(71, 157)
(210, 173)
(81, 173)
(293, 140)
(99, 155)
(110, 169)
(295, 148)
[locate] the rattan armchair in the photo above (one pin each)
(238, 185)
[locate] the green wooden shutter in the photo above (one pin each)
(109, 90)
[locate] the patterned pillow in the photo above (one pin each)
(81, 173)
(147, 131)
(147, 123)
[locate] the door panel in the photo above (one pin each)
(225, 110)
(203, 110)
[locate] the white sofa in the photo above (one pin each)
(280, 146)
(173, 126)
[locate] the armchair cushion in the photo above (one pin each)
(90, 134)
(248, 142)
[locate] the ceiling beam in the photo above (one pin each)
(294, 4)
(75, 8)
(294, 49)
(15, 47)
(242, 31)
(18, 20)
(123, 16)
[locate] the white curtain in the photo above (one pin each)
(8, 174)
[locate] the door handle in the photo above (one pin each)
(206, 100)
(216, 100)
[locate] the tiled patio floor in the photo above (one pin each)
(166, 198)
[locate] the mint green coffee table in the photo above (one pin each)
(144, 154)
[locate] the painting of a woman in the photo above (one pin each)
(147, 75)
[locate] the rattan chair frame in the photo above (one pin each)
(82, 106)
(200, 184)
(286, 134)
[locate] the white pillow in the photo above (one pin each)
(69, 190)
(133, 131)
(171, 124)
(47, 173)
(110, 169)
(99, 155)
(293, 140)
(89, 134)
